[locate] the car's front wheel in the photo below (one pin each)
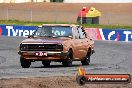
(24, 63)
(46, 63)
(68, 61)
(86, 60)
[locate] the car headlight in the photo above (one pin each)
(23, 46)
(59, 46)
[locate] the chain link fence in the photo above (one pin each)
(60, 16)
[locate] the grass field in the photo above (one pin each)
(28, 23)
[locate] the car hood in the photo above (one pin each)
(43, 40)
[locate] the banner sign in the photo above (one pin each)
(117, 35)
(14, 30)
(108, 34)
(93, 33)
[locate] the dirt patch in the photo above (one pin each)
(54, 82)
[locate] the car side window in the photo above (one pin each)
(81, 33)
(84, 33)
(76, 32)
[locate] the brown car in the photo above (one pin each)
(56, 42)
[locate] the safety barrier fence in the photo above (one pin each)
(94, 33)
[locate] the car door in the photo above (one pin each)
(77, 45)
(83, 41)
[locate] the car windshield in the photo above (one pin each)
(54, 31)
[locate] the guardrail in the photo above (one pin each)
(94, 33)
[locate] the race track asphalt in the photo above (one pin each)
(110, 57)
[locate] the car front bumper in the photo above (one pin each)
(50, 55)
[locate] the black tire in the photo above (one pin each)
(46, 63)
(81, 80)
(86, 60)
(24, 63)
(68, 61)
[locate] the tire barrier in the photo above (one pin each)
(93, 33)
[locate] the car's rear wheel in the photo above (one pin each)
(86, 60)
(25, 63)
(46, 63)
(68, 61)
